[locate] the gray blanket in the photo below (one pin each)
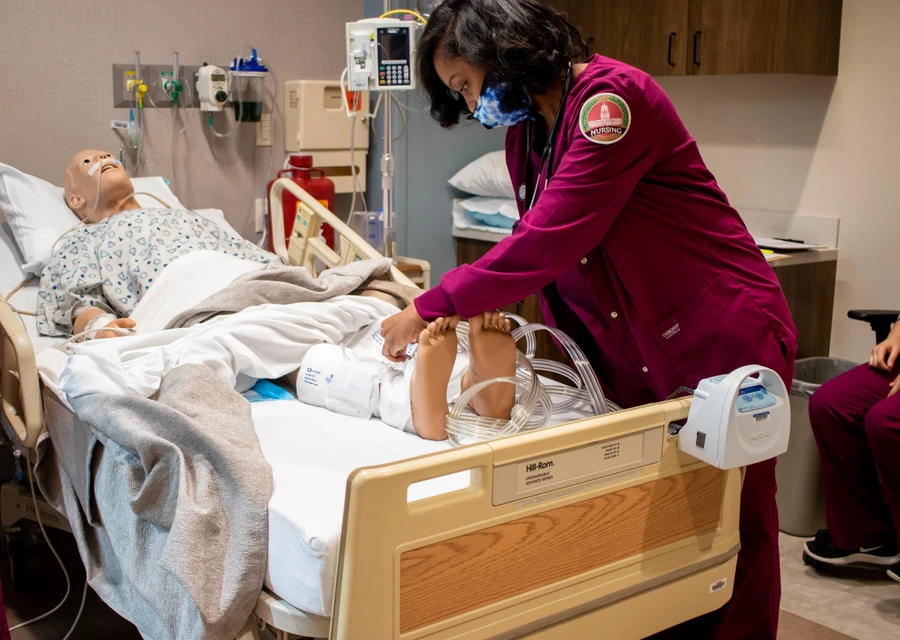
(168, 503)
(278, 284)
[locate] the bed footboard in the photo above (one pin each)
(564, 528)
(19, 382)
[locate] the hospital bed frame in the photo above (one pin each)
(596, 526)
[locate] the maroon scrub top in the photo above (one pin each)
(632, 245)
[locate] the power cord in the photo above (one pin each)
(13, 292)
(62, 566)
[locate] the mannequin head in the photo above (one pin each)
(94, 192)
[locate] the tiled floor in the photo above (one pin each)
(862, 603)
(856, 604)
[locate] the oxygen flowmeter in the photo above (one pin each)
(212, 88)
(380, 54)
(738, 419)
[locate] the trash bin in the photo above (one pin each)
(801, 502)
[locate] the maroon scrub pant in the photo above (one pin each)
(752, 612)
(857, 428)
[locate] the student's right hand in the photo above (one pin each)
(885, 354)
(124, 323)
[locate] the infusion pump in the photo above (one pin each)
(380, 55)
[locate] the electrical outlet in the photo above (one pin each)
(264, 131)
(260, 209)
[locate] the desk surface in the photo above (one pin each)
(796, 258)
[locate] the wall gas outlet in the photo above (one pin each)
(153, 76)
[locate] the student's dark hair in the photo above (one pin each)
(525, 42)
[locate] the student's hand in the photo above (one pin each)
(885, 355)
(895, 388)
(399, 331)
(124, 323)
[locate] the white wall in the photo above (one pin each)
(823, 146)
(56, 84)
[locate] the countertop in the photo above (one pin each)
(793, 259)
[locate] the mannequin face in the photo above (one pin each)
(81, 188)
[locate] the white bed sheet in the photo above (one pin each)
(312, 452)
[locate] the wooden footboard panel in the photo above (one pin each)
(481, 562)
(465, 573)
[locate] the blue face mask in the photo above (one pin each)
(489, 111)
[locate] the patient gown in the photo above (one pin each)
(111, 264)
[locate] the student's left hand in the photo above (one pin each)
(895, 388)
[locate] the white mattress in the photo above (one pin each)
(312, 452)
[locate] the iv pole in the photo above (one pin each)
(387, 169)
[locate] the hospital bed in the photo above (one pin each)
(597, 526)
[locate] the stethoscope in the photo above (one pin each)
(547, 155)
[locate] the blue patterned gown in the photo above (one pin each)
(111, 264)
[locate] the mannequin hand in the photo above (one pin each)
(399, 331)
(124, 323)
(895, 388)
(884, 355)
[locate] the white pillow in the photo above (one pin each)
(494, 212)
(37, 213)
(487, 176)
(159, 187)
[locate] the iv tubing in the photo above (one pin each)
(405, 12)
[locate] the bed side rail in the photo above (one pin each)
(19, 382)
(305, 245)
(552, 522)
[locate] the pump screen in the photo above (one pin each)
(393, 44)
(217, 77)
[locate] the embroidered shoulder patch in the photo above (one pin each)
(605, 118)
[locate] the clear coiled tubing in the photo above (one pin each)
(536, 402)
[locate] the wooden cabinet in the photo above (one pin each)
(738, 36)
(650, 34)
(713, 37)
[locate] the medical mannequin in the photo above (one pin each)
(100, 269)
(91, 204)
(415, 397)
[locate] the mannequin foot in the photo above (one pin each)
(435, 358)
(492, 354)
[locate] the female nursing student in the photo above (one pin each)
(634, 248)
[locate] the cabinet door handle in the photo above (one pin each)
(671, 40)
(697, 47)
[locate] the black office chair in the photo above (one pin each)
(881, 321)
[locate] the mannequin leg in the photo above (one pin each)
(428, 388)
(492, 354)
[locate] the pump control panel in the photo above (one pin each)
(212, 88)
(381, 54)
